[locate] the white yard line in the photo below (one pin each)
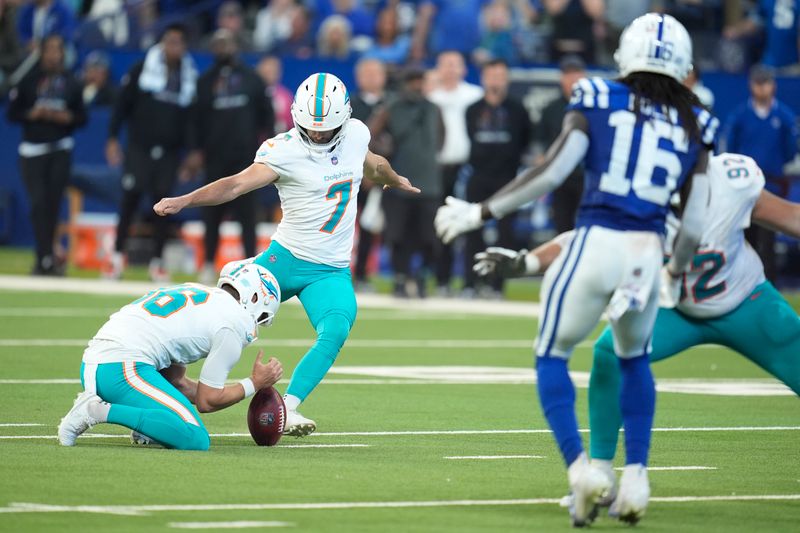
(679, 468)
(433, 432)
(492, 457)
(239, 524)
(25, 507)
(366, 301)
(308, 341)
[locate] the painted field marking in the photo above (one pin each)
(23, 425)
(667, 468)
(308, 341)
(132, 510)
(492, 457)
(293, 314)
(432, 432)
(314, 445)
(241, 524)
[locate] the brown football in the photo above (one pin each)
(266, 417)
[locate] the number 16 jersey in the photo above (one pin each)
(635, 161)
(318, 193)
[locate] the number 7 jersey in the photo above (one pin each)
(318, 193)
(634, 162)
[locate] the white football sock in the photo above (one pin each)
(99, 410)
(292, 402)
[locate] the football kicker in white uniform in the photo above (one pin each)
(317, 167)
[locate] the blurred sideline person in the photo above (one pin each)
(499, 132)
(134, 369)
(317, 167)
(564, 201)
(371, 95)
(48, 104)
(765, 129)
(722, 298)
(415, 127)
(453, 95)
(231, 117)
(98, 89)
(624, 209)
(154, 101)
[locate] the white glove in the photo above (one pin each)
(669, 294)
(502, 261)
(456, 217)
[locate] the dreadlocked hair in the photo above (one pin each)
(664, 90)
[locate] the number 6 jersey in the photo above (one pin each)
(634, 162)
(725, 269)
(318, 193)
(177, 325)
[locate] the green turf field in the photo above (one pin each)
(398, 436)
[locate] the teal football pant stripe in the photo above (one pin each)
(764, 329)
(143, 400)
(328, 297)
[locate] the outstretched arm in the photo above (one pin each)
(378, 169)
(514, 264)
(569, 149)
(226, 349)
(221, 191)
(777, 214)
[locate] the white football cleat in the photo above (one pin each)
(588, 484)
(606, 467)
(634, 493)
(78, 419)
(140, 439)
(297, 425)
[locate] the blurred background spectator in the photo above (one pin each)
(273, 24)
(497, 41)
(415, 126)
(300, 42)
(98, 88)
(499, 131)
(453, 96)
(576, 26)
(333, 39)
(11, 52)
(48, 104)
(231, 18)
(703, 93)
(446, 25)
(40, 18)
(370, 95)
(270, 70)
(765, 129)
(770, 28)
(154, 102)
(389, 46)
(230, 119)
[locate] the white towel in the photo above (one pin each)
(635, 290)
(153, 78)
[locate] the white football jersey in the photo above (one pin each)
(725, 269)
(318, 193)
(172, 325)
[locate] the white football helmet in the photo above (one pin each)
(259, 291)
(321, 103)
(655, 43)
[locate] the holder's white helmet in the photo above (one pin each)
(321, 103)
(655, 43)
(259, 291)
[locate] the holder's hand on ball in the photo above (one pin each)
(266, 374)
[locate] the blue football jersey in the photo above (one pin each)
(634, 163)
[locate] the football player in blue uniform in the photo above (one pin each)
(641, 138)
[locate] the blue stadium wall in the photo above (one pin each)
(729, 90)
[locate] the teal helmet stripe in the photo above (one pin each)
(319, 96)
